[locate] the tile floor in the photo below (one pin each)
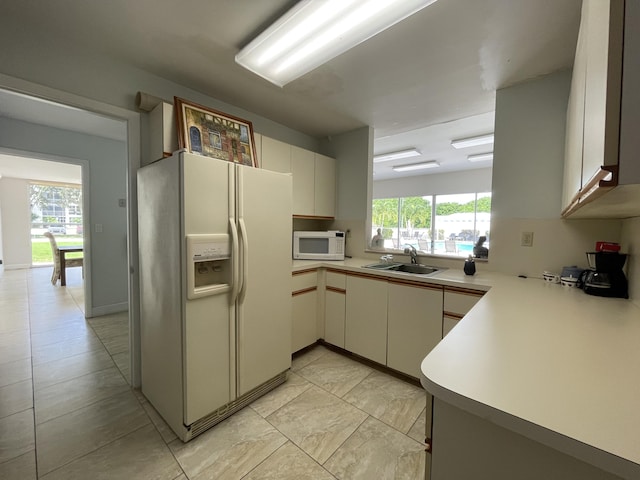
(67, 411)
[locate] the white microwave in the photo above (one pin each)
(318, 245)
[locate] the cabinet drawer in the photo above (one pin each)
(304, 280)
(336, 280)
(460, 301)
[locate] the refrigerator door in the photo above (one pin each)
(264, 302)
(208, 332)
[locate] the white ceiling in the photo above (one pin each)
(439, 68)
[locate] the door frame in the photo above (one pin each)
(132, 120)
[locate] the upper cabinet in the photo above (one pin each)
(599, 177)
(314, 177)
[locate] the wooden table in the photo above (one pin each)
(63, 252)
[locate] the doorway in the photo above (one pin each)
(110, 207)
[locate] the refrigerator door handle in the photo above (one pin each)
(245, 254)
(235, 250)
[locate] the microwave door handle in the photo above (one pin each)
(235, 269)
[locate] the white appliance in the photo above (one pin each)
(215, 287)
(318, 245)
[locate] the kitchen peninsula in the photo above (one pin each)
(538, 380)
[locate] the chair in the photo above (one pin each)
(424, 245)
(450, 246)
(69, 262)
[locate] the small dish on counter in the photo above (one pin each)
(569, 281)
(551, 277)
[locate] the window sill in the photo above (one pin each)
(397, 251)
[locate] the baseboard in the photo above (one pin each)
(17, 266)
(108, 309)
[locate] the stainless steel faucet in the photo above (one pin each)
(411, 250)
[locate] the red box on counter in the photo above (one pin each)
(607, 247)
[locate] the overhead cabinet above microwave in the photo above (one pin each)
(314, 177)
(602, 147)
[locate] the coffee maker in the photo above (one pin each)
(605, 277)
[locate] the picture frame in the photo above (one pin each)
(208, 132)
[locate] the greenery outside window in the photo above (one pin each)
(435, 224)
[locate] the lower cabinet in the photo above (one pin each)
(335, 304)
(415, 325)
(366, 318)
(304, 309)
(457, 303)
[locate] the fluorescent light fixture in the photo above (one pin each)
(480, 157)
(313, 32)
(415, 166)
(383, 157)
(473, 141)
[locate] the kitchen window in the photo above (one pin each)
(449, 225)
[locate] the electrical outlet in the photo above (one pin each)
(527, 239)
(122, 202)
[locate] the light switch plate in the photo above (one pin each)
(527, 239)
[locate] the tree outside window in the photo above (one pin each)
(434, 224)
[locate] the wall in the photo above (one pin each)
(353, 152)
(527, 183)
(15, 216)
(478, 180)
(107, 161)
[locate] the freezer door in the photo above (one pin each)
(264, 303)
(208, 333)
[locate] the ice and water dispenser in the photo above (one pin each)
(209, 269)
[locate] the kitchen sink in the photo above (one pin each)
(414, 268)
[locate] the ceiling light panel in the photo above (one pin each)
(415, 166)
(314, 32)
(480, 157)
(473, 141)
(384, 157)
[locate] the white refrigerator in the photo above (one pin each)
(215, 287)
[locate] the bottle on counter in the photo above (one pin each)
(469, 266)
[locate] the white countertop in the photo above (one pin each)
(543, 360)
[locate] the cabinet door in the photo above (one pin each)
(603, 20)
(325, 186)
(415, 325)
(276, 156)
(304, 326)
(334, 321)
(303, 169)
(574, 127)
(448, 322)
(366, 318)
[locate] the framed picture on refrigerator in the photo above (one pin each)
(215, 134)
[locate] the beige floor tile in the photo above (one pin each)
(16, 435)
(165, 431)
(301, 361)
(82, 431)
(61, 334)
(116, 344)
(14, 372)
(280, 396)
(53, 322)
(50, 373)
(68, 348)
(388, 399)
(140, 455)
(15, 398)
(229, 450)
(182, 476)
(123, 362)
(14, 321)
(65, 397)
(335, 373)
(289, 463)
(17, 340)
(317, 422)
(378, 451)
(13, 353)
(417, 431)
(20, 468)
